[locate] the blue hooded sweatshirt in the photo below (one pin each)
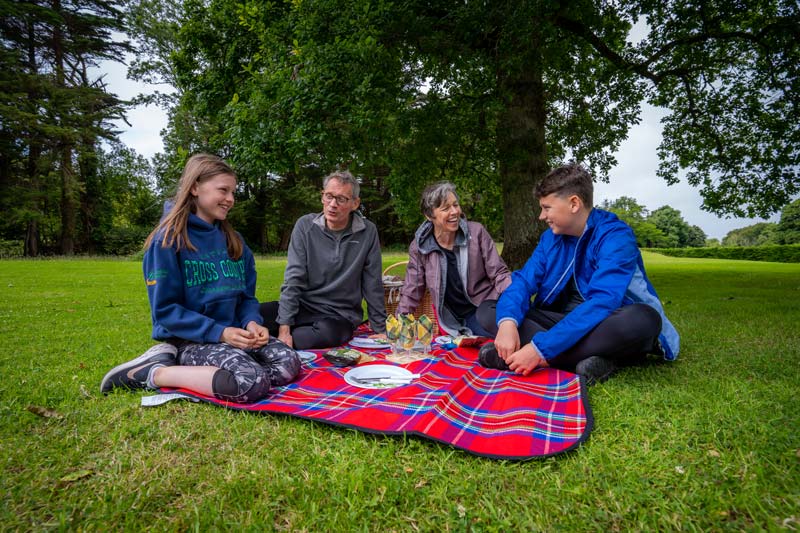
(608, 272)
(194, 296)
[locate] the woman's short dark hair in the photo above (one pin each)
(572, 178)
(435, 195)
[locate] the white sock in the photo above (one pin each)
(150, 383)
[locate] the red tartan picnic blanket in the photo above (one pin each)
(455, 401)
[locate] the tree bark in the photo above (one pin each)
(522, 153)
(31, 239)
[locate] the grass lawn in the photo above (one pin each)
(709, 442)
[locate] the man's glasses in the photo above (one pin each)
(340, 200)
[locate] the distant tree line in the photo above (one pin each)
(59, 192)
(662, 228)
(665, 227)
(489, 95)
(785, 231)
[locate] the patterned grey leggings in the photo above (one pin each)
(244, 376)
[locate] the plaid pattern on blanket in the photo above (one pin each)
(455, 401)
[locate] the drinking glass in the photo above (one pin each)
(408, 332)
(425, 333)
(393, 327)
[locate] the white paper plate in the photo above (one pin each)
(366, 342)
(375, 372)
(306, 357)
(443, 339)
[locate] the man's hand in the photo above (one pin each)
(507, 339)
(525, 360)
(261, 334)
(285, 335)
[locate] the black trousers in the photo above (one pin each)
(310, 330)
(626, 336)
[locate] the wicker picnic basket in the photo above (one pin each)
(393, 287)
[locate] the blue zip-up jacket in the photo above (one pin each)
(194, 296)
(609, 273)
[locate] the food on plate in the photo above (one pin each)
(346, 357)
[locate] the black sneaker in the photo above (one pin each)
(595, 369)
(657, 349)
(133, 374)
(489, 358)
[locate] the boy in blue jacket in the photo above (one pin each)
(594, 308)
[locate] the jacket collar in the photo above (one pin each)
(356, 219)
(426, 242)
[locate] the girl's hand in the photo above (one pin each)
(238, 338)
(261, 334)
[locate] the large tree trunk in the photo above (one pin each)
(31, 239)
(522, 153)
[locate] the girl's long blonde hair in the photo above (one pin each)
(199, 168)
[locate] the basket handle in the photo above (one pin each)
(387, 269)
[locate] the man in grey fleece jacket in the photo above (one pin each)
(334, 261)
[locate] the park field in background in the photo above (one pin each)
(709, 442)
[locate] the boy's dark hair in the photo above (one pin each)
(566, 180)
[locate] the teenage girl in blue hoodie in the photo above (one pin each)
(201, 280)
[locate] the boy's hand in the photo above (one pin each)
(526, 360)
(507, 339)
(261, 334)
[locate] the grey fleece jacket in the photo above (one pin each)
(329, 276)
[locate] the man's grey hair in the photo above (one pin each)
(435, 195)
(344, 178)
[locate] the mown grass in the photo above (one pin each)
(709, 442)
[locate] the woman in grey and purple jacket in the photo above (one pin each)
(456, 260)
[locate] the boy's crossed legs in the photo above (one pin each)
(623, 338)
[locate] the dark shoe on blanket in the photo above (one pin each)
(595, 369)
(135, 373)
(489, 358)
(657, 349)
